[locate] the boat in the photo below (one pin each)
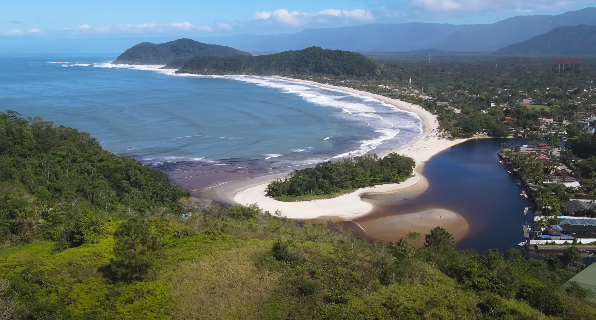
(521, 244)
(526, 210)
(523, 194)
(508, 171)
(500, 161)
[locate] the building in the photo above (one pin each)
(585, 279)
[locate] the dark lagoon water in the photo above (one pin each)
(469, 180)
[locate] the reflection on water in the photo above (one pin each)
(467, 179)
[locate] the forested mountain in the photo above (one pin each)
(181, 49)
(405, 37)
(574, 40)
(312, 60)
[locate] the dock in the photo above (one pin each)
(526, 232)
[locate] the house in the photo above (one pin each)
(510, 118)
(442, 104)
(527, 101)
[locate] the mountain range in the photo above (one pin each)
(575, 40)
(405, 37)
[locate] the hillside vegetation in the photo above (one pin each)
(57, 183)
(144, 261)
(569, 40)
(180, 50)
(313, 60)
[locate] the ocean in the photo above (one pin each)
(230, 125)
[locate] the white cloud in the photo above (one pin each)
(84, 27)
(264, 15)
(299, 18)
(164, 27)
(33, 30)
(224, 26)
(14, 32)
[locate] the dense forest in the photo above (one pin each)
(568, 40)
(309, 61)
(57, 183)
(180, 50)
(330, 179)
(133, 257)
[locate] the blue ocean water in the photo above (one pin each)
(156, 116)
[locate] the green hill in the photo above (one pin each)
(313, 60)
(575, 40)
(57, 183)
(89, 235)
(181, 49)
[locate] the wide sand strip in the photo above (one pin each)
(350, 206)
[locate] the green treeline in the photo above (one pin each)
(331, 178)
(57, 183)
(313, 60)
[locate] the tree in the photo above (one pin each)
(135, 249)
(570, 256)
(439, 238)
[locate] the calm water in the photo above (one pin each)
(469, 180)
(157, 117)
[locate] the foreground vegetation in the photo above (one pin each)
(329, 179)
(134, 257)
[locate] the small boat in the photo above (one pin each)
(500, 161)
(526, 209)
(521, 244)
(508, 171)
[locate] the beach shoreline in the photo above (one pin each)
(357, 204)
(351, 205)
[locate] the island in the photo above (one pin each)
(331, 179)
(174, 53)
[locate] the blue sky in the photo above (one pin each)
(201, 18)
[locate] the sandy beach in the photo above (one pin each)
(351, 205)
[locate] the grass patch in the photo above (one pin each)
(537, 107)
(226, 285)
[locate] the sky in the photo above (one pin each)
(202, 18)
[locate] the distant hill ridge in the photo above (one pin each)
(313, 60)
(177, 51)
(404, 37)
(574, 40)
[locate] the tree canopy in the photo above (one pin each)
(331, 178)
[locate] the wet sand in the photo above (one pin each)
(394, 227)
